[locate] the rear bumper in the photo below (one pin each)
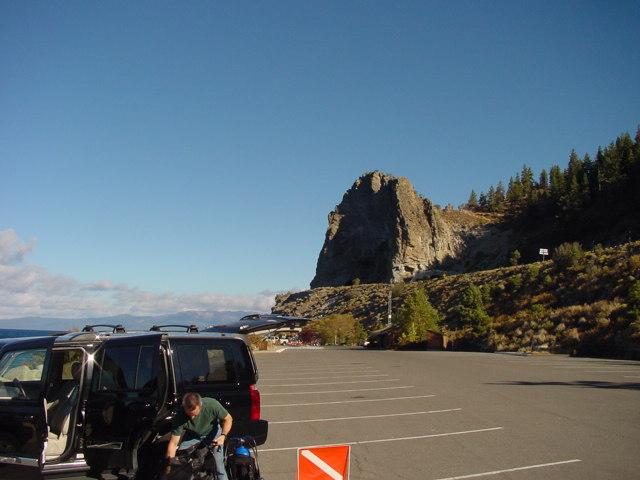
(258, 429)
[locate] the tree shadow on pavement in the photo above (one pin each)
(576, 383)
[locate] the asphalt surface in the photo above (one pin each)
(451, 415)
(446, 415)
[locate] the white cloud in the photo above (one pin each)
(30, 290)
(12, 249)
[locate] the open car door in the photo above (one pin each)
(127, 387)
(24, 364)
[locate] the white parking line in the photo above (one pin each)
(507, 470)
(328, 383)
(365, 416)
(320, 378)
(325, 367)
(348, 401)
(322, 372)
(396, 439)
(338, 391)
(631, 376)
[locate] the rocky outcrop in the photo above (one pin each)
(383, 231)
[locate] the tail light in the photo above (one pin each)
(254, 394)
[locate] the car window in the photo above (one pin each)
(126, 368)
(21, 373)
(204, 363)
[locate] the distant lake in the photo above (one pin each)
(14, 333)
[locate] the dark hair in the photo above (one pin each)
(191, 400)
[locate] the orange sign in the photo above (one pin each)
(324, 463)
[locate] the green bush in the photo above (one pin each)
(633, 299)
(567, 254)
(397, 290)
(416, 317)
(532, 273)
(485, 291)
(515, 283)
(471, 312)
(514, 257)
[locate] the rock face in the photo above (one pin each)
(384, 231)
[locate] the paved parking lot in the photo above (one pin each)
(450, 415)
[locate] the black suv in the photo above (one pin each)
(99, 401)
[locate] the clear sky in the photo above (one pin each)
(157, 156)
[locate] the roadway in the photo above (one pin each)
(453, 415)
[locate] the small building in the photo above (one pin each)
(436, 340)
(387, 338)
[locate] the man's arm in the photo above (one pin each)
(225, 426)
(173, 446)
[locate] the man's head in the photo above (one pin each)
(192, 404)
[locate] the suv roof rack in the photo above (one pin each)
(173, 327)
(114, 328)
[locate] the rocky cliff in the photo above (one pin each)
(384, 231)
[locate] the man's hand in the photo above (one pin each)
(219, 441)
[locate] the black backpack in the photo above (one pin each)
(242, 467)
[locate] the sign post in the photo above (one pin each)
(544, 252)
(324, 463)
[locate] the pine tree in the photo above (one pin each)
(472, 312)
(499, 197)
(416, 317)
(556, 183)
(482, 202)
(472, 203)
(543, 182)
(526, 181)
(491, 199)
(514, 192)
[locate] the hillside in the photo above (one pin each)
(580, 306)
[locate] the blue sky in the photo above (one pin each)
(194, 150)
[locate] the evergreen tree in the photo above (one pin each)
(526, 181)
(472, 203)
(482, 202)
(514, 192)
(499, 197)
(556, 183)
(543, 183)
(472, 312)
(491, 199)
(416, 317)
(514, 258)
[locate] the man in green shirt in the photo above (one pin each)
(201, 420)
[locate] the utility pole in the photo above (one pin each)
(389, 304)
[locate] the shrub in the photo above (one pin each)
(337, 329)
(515, 282)
(397, 290)
(567, 254)
(532, 273)
(485, 291)
(471, 311)
(514, 257)
(633, 299)
(416, 317)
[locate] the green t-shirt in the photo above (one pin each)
(205, 422)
